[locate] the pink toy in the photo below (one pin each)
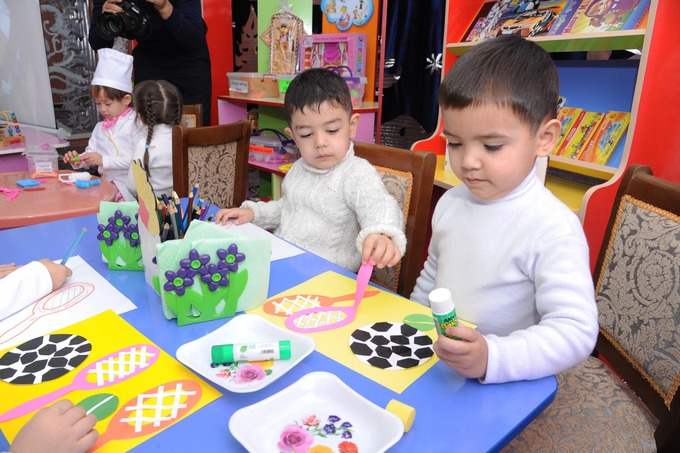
(335, 49)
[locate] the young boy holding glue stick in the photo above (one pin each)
(514, 257)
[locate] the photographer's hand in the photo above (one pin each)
(111, 6)
(164, 7)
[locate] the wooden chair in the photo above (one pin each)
(214, 156)
(637, 278)
(409, 177)
(192, 115)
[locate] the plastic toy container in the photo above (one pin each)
(42, 159)
(271, 146)
(356, 85)
(253, 85)
(284, 80)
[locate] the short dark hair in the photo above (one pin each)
(313, 87)
(507, 71)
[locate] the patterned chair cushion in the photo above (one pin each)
(400, 185)
(593, 411)
(213, 166)
(638, 293)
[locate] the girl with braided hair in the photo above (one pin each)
(159, 107)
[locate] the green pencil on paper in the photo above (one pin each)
(73, 247)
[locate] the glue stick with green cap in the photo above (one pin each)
(250, 352)
(443, 310)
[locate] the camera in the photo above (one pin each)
(131, 23)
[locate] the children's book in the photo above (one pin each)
(568, 116)
(606, 138)
(478, 22)
(565, 16)
(582, 134)
(594, 16)
(569, 131)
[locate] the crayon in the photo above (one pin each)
(73, 246)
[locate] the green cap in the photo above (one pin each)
(284, 349)
(227, 353)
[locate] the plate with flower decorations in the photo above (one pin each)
(316, 414)
(242, 377)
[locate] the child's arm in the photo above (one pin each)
(237, 215)
(60, 428)
(467, 356)
(380, 250)
(73, 158)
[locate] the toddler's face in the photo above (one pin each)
(323, 136)
(108, 108)
(491, 151)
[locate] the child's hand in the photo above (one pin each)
(73, 158)
(62, 427)
(7, 268)
(92, 159)
(380, 250)
(237, 215)
(58, 272)
(467, 357)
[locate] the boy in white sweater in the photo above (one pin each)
(514, 257)
(333, 203)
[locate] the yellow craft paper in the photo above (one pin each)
(108, 333)
(334, 343)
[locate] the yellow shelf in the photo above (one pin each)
(570, 192)
(582, 168)
(611, 40)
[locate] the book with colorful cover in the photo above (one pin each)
(478, 22)
(606, 138)
(565, 16)
(567, 116)
(569, 132)
(583, 132)
(594, 16)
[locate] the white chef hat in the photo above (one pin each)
(114, 70)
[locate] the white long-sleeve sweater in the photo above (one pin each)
(330, 212)
(23, 287)
(517, 267)
(160, 161)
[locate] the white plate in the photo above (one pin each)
(309, 405)
(244, 376)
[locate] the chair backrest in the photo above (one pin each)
(215, 156)
(409, 177)
(192, 115)
(637, 278)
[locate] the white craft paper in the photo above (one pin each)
(280, 248)
(103, 297)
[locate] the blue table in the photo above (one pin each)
(452, 413)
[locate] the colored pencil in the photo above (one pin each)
(166, 230)
(173, 219)
(189, 212)
(195, 190)
(73, 246)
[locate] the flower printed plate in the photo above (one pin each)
(244, 377)
(318, 413)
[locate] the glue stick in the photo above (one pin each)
(443, 310)
(250, 352)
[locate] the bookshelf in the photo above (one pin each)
(591, 85)
(652, 137)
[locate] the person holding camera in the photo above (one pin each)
(171, 42)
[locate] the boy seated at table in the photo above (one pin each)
(514, 257)
(61, 427)
(333, 203)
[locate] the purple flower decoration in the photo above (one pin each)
(177, 282)
(346, 425)
(230, 258)
(195, 264)
(333, 418)
(119, 221)
(329, 429)
(346, 435)
(107, 234)
(132, 234)
(215, 277)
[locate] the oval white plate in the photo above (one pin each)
(319, 402)
(244, 376)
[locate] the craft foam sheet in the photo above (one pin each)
(108, 333)
(243, 287)
(377, 306)
(119, 219)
